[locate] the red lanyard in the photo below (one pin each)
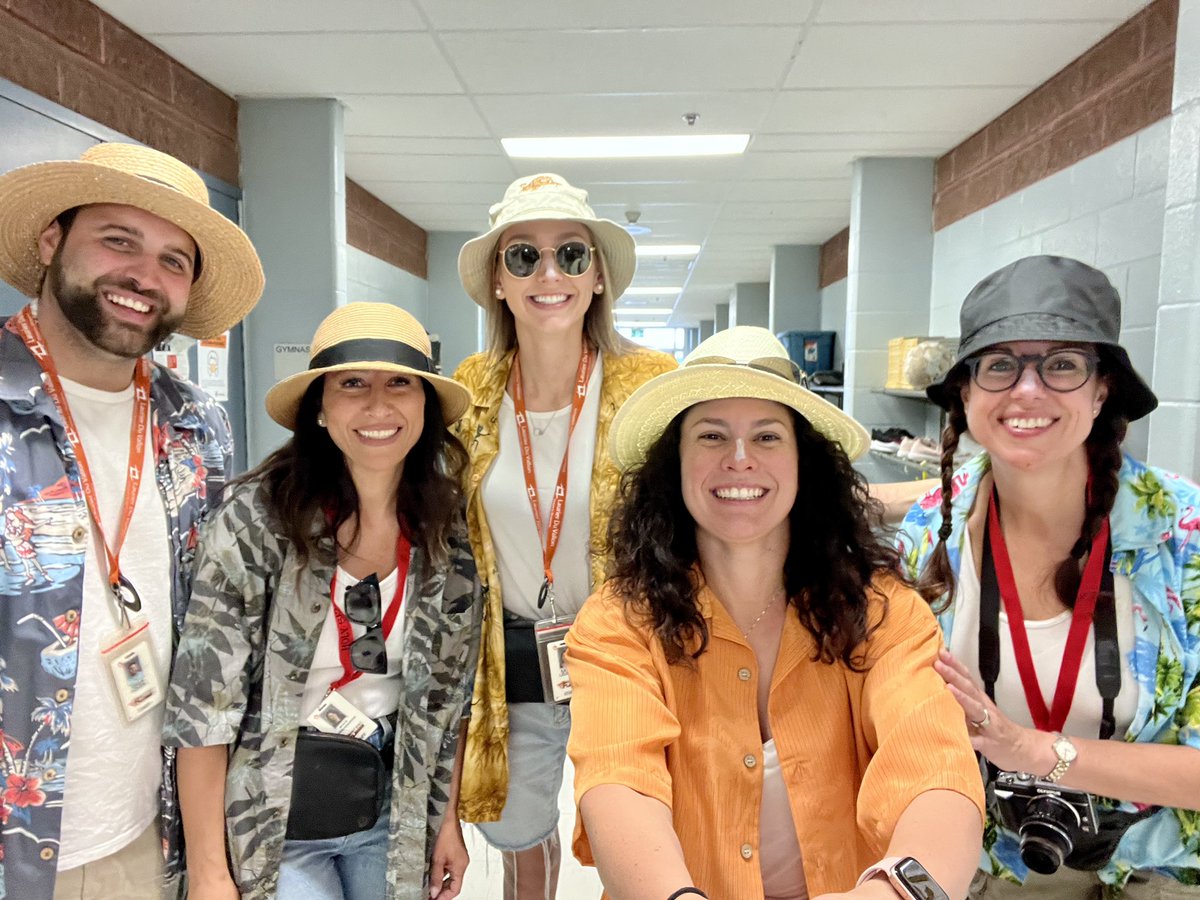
(1081, 624)
(25, 326)
(345, 629)
(549, 540)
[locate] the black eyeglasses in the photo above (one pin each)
(364, 606)
(1060, 370)
(522, 259)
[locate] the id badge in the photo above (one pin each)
(128, 655)
(337, 715)
(550, 635)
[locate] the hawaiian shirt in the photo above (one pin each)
(1155, 525)
(242, 662)
(43, 541)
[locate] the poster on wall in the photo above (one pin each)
(212, 358)
(173, 354)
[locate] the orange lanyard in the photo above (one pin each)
(548, 538)
(25, 326)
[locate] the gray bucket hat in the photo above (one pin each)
(1049, 298)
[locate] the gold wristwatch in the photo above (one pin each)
(1066, 753)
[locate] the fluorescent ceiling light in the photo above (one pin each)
(667, 249)
(644, 311)
(647, 324)
(629, 146)
(652, 291)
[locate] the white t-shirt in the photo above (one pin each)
(510, 518)
(115, 768)
(1047, 639)
(374, 695)
(780, 859)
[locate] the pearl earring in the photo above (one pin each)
(321, 419)
(499, 294)
(599, 289)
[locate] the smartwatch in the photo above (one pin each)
(910, 879)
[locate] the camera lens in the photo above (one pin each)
(1046, 833)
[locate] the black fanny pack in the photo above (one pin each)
(339, 785)
(522, 671)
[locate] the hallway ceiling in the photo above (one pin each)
(430, 87)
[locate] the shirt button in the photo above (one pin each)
(747, 851)
(61, 695)
(316, 607)
(475, 478)
(744, 673)
(46, 854)
(78, 536)
(750, 760)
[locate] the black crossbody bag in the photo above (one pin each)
(339, 784)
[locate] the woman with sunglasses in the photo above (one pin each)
(323, 674)
(539, 489)
(1067, 577)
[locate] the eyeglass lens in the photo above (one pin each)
(1061, 370)
(573, 258)
(364, 607)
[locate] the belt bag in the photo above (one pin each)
(338, 786)
(522, 671)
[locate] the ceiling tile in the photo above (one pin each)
(418, 167)
(233, 16)
(412, 116)
(961, 110)
(536, 15)
(1113, 11)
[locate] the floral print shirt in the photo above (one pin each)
(1155, 525)
(244, 656)
(44, 520)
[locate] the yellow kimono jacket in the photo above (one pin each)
(485, 770)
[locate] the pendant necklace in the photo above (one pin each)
(775, 596)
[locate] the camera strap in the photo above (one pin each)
(1094, 608)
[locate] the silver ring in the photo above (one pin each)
(984, 722)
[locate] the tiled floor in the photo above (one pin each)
(485, 874)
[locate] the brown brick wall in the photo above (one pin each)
(835, 259)
(374, 227)
(73, 53)
(1115, 89)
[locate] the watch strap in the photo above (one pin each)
(884, 867)
(1064, 762)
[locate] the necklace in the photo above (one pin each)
(775, 596)
(550, 421)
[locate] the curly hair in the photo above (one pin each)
(834, 550)
(1103, 445)
(309, 493)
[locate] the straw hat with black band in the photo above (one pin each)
(536, 198)
(33, 196)
(743, 361)
(1049, 298)
(373, 336)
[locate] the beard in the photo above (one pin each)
(84, 307)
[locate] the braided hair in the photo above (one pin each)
(1103, 445)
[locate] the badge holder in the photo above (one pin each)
(128, 654)
(337, 715)
(550, 635)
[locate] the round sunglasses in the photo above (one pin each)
(522, 259)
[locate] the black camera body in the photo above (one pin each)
(1057, 825)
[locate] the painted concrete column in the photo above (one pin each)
(294, 209)
(453, 316)
(751, 304)
(706, 329)
(888, 281)
(795, 296)
(721, 317)
(1175, 425)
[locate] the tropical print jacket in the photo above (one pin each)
(485, 769)
(247, 645)
(44, 542)
(1156, 544)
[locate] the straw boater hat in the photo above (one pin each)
(743, 361)
(376, 336)
(31, 197)
(538, 197)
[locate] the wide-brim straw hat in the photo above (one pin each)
(532, 199)
(743, 361)
(31, 197)
(1049, 298)
(373, 336)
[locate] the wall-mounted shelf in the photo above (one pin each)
(832, 393)
(903, 392)
(909, 466)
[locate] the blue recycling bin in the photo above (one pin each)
(812, 351)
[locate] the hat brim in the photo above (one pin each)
(650, 409)
(283, 400)
(231, 278)
(476, 257)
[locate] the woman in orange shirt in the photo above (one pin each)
(755, 711)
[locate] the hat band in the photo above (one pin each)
(371, 350)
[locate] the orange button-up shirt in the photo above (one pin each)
(855, 748)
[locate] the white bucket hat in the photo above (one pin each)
(743, 361)
(531, 199)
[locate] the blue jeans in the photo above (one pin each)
(346, 868)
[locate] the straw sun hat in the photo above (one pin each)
(743, 361)
(231, 277)
(537, 197)
(375, 336)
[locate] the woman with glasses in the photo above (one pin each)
(539, 488)
(322, 679)
(1067, 577)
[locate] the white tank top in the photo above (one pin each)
(780, 860)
